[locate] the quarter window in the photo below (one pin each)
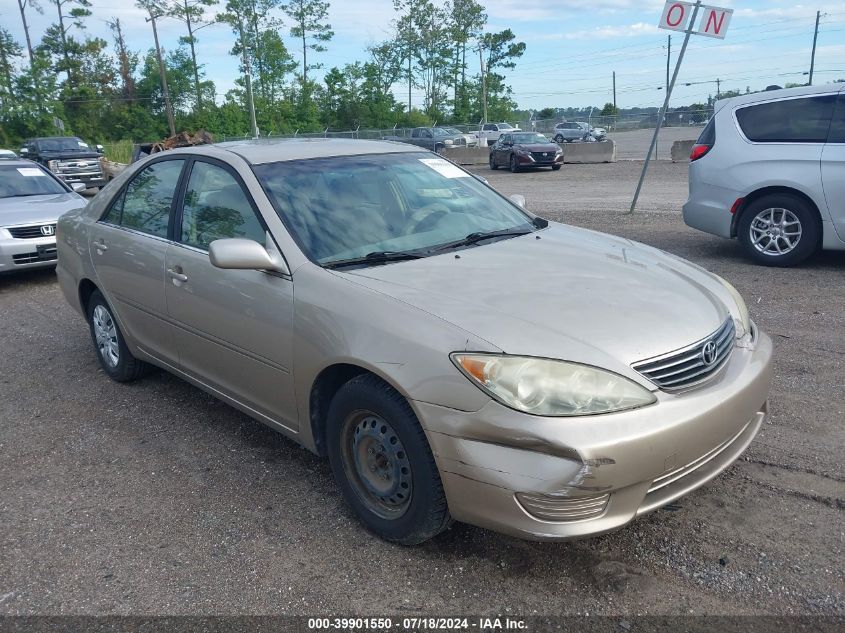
(789, 121)
(216, 207)
(146, 202)
(837, 125)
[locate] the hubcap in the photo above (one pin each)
(105, 334)
(376, 464)
(775, 231)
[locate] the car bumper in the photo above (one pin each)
(19, 254)
(563, 478)
(709, 208)
(526, 161)
(89, 180)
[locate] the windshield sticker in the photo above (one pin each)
(444, 167)
(31, 171)
(434, 193)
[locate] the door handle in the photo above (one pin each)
(177, 276)
(101, 245)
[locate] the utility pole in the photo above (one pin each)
(614, 90)
(668, 58)
(248, 77)
(483, 78)
(718, 88)
(813, 55)
(167, 107)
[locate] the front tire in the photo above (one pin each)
(513, 165)
(555, 167)
(383, 464)
(114, 356)
(493, 164)
(779, 230)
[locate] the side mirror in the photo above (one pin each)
(518, 200)
(100, 149)
(242, 254)
(78, 187)
(24, 151)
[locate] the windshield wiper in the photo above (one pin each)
(377, 257)
(479, 236)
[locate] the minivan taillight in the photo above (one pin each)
(699, 150)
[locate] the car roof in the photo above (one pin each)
(260, 151)
(18, 162)
(769, 95)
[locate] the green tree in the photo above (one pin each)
(71, 14)
(192, 13)
(23, 5)
(9, 51)
(467, 22)
(309, 26)
(609, 110)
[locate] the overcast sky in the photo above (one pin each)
(572, 45)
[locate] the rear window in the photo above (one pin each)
(708, 134)
(805, 120)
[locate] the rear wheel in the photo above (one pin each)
(383, 464)
(559, 138)
(779, 230)
(114, 356)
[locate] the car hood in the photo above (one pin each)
(572, 294)
(44, 209)
(538, 147)
(69, 155)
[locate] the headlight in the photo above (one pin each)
(742, 308)
(448, 141)
(52, 165)
(551, 387)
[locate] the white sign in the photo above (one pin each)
(714, 22)
(30, 172)
(444, 167)
(676, 15)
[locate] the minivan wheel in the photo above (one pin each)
(383, 464)
(779, 230)
(114, 356)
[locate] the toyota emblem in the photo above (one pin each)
(709, 353)
(48, 229)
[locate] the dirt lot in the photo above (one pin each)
(153, 498)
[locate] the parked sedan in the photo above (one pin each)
(568, 132)
(31, 200)
(454, 356)
(525, 149)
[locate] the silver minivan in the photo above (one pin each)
(769, 170)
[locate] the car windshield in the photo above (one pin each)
(348, 207)
(440, 131)
(529, 137)
(504, 126)
(26, 181)
(453, 131)
(69, 144)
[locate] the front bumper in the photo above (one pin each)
(499, 466)
(19, 254)
(90, 179)
(531, 161)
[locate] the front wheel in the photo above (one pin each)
(383, 464)
(779, 230)
(513, 165)
(555, 167)
(493, 164)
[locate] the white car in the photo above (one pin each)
(492, 131)
(471, 139)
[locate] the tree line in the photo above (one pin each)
(70, 82)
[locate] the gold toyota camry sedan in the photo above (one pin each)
(454, 356)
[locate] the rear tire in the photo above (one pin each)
(779, 230)
(114, 356)
(383, 464)
(559, 139)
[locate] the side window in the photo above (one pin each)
(415, 133)
(837, 125)
(216, 207)
(804, 120)
(145, 205)
(426, 134)
(506, 138)
(488, 127)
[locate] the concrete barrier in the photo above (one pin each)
(681, 151)
(468, 155)
(604, 152)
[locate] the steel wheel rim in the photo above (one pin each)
(376, 464)
(105, 334)
(775, 231)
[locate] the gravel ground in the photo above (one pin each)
(153, 498)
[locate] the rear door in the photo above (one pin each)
(235, 326)
(833, 168)
(128, 248)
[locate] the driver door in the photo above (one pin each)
(235, 325)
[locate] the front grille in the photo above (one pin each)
(46, 255)
(30, 232)
(543, 157)
(557, 508)
(691, 365)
